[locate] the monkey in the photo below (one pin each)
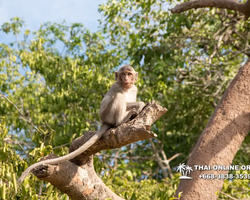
(117, 107)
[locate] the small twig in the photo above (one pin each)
(26, 119)
(228, 196)
(8, 140)
(115, 159)
(174, 156)
(165, 160)
(120, 156)
(22, 149)
(61, 146)
(158, 159)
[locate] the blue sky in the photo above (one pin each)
(35, 12)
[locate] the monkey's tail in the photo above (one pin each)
(70, 156)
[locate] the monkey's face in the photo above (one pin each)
(127, 78)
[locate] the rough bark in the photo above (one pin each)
(77, 177)
(221, 138)
(243, 8)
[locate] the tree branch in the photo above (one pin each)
(243, 8)
(133, 131)
(77, 177)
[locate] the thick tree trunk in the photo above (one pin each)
(221, 139)
(77, 177)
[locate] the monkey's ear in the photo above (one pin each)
(136, 76)
(116, 76)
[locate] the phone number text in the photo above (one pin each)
(225, 176)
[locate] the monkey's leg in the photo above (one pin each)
(118, 110)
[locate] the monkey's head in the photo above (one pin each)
(126, 76)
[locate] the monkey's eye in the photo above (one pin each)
(130, 74)
(123, 74)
